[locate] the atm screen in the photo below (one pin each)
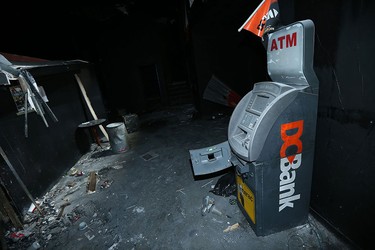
(260, 103)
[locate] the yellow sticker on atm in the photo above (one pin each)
(246, 198)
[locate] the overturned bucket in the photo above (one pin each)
(117, 137)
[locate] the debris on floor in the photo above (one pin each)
(207, 204)
(231, 228)
(62, 207)
(151, 203)
(106, 184)
(91, 185)
(226, 185)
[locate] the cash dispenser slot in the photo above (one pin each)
(211, 159)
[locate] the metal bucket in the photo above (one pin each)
(117, 137)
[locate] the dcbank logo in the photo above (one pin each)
(291, 137)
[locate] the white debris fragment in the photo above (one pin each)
(138, 210)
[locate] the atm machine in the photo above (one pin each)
(271, 136)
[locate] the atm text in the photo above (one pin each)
(287, 41)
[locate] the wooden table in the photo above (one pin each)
(92, 125)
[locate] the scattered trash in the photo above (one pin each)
(130, 207)
(32, 208)
(208, 202)
(232, 227)
(106, 184)
(79, 173)
(138, 210)
(88, 236)
(62, 207)
(59, 210)
(136, 239)
(208, 206)
(217, 221)
(226, 185)
(216, 211)
(71, 184)
(180, 190)
(55, 230)
(118, 239)
(82, 226)
(15, 236)
(34, 246)
(117, 166)
(207, 183)
(73, 217)
(73, 190)
(75, 172)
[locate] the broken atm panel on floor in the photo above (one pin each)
(271, 136)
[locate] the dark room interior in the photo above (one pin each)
(148, 65)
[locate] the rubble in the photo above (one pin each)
(231, 228)
(61, 207)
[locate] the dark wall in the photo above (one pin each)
(48, 152)
(141, 39)
(238, 59)
(343, 181)
(137, 55)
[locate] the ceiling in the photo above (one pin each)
(51, 30)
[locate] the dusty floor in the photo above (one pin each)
(148, 198)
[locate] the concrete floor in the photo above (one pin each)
(143, 203)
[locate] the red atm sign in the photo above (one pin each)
(281, 42)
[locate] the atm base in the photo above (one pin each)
(269, 204)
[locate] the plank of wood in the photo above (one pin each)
(62, 207)
(88, 102)
(19, 180)
(9, 210)
(92, 182)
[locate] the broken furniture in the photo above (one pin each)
(92, 126)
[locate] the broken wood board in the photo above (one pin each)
(92, 182)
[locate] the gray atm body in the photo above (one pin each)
(271, 136)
